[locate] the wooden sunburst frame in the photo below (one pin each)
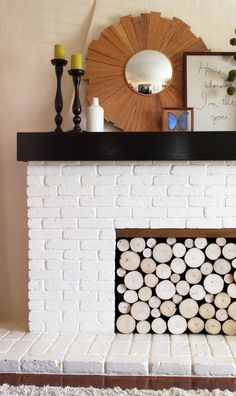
(107, 58)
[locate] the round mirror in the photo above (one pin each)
(148, 72)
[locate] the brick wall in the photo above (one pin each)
(74, 209)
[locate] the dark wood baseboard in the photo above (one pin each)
(106, 381)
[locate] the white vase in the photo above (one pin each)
(95, 117)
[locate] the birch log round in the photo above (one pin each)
(148, 265)
(133, 280)
(158, 326)
(125, 324)
(200, 243)
(221, 241)
(212, 326)
(197, 292)
(222, 300)
(151, 242)
(194, 257)
(165, 290)
(137, 244)
(124, 307)
(121, 272)
(177, 324)
(234, 276)
(123, 245)
(143, 327)
(222, 266)
(229, 251)
(188, 308)
(145, 293)
(234, 263)
(193, 276)
(232, 311)
(121, 288)
(155, 313)
(182, 288)
(213, 283)
(130, 296)
(189, 243)
(228, 278)
(177, 298)
(209, 298)
(162, 252)
(231, 290)
(147, 253)
(151, 280)
(129, 260)
(206, 268)
(140, 310)
(168, 308)
(178, 265)
(154, 302)
(171, 241)
(221, 315)
(179, 250)
(195, 325)
(207, 311)
(229, 327)
(163, 271)
(175, 278)
(213, 251)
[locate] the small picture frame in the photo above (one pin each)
(177, 119)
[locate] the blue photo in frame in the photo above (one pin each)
(177, 119)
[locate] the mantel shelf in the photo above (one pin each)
(133, 146)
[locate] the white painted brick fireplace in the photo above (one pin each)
(74, 210)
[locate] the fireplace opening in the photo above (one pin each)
(175, 281)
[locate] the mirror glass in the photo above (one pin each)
(148, 72)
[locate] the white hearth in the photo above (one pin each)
(74, 210)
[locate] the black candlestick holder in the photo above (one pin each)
(58, 103)
(76, 107)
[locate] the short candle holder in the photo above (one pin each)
(76, 107)
(58, 103)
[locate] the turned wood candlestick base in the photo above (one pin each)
(76, 107)
(58, 103)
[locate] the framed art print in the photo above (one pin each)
(177, 119)
(206, 85)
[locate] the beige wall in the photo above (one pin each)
(28, 31)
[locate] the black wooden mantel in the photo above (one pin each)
(118, 146)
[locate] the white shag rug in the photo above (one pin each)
(23, 390)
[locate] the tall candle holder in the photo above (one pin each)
(76, 107)
(58, 102)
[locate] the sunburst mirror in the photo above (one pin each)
(136, 69)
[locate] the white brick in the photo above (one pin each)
(170, 201)
(149, 212)
(221, 169)
(221, 190)
(185, 191)
(75, 190)
(207, 201)
(45, 274)
(80, 296)
(44, 316)
(131, 223)
(36, 305)
(97, 306)
(213, 366)
(148, 190)
(61, 244)
(35, 223)
(96, 202)
(203, 223)
(115, 169)
(44, 295)
(167, 223)
(35, 180)
(95, 223)
(96, 286)
(81, 234)
(54, 285)
(44, 254)
(61, 180)
(170, 365)
(45, 234)
(35, 201)
(75, 316)
(107, 234)
(81, 275)
(77, 212)
(113, 212)
(43, 170)
(151, 169)
(95, 180)
(78, 170)
(36, 244)
(128, 364)
(64, 306)
(59, 223)
(223, 212)
(36, 264)
(188, 169)
(185, 212)
(43, 212)
(62, 265)
(41, 191)
(207, 180)
(60, 202)
(133, 201)
(111, 191)
(36, 285)
(89, 265)
(106, 255)
(230, 201)
(106, 296)
(106, 275)
(97, 245)
(229, 223)
(171, 180)
(80, 254)
(140, 180)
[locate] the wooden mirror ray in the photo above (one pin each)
(106, 62)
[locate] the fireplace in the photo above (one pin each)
(75, 212)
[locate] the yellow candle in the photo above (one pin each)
(76, 61)
(59, 51)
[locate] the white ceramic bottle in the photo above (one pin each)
(95, 117)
